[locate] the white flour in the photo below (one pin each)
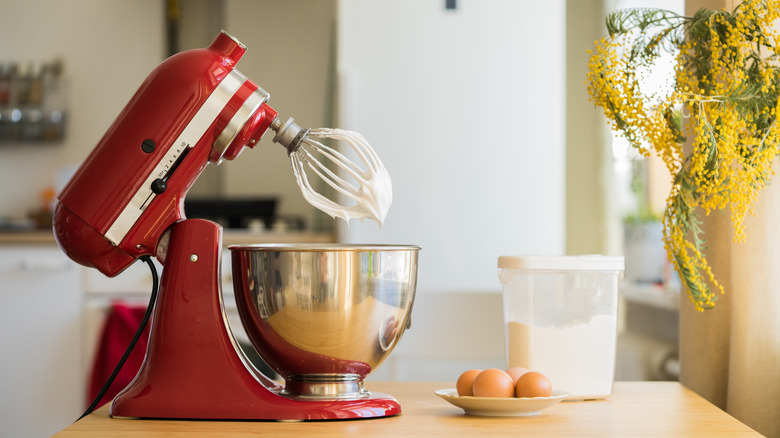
(368, 186)
(579, 359)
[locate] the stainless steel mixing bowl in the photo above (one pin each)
(324, 316)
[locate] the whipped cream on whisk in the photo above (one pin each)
(368, 186)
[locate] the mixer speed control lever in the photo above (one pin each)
(158, 186)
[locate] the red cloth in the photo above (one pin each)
(121, 323)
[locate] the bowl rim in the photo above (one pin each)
(320, 247)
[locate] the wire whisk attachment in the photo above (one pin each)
(363, 182)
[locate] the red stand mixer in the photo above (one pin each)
(126, 202)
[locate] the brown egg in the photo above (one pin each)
(516, 372)
(465, 382)
(533, 384)
(493, 383)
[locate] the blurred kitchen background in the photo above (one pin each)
(478, 109)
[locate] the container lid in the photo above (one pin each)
(562, 263)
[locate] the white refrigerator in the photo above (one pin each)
(465, 107)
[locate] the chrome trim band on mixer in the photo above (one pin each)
(191, 134)
(247, 109)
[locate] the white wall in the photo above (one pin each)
(466, 110)
(108, 46)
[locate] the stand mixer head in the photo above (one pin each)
(193, 110)
(126, 201)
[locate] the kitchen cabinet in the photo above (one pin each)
(41, 379)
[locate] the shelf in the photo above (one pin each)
(229, 237)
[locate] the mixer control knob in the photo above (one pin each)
(148, 146)
(158, 186)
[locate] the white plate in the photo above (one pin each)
(501, 406)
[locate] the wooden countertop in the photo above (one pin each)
(653, 409)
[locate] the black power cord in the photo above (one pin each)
(150, 307)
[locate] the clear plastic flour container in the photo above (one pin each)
(560, 316)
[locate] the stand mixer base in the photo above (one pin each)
(193, 368)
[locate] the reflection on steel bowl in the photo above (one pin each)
(324, 316)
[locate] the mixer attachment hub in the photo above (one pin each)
(289, 134)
